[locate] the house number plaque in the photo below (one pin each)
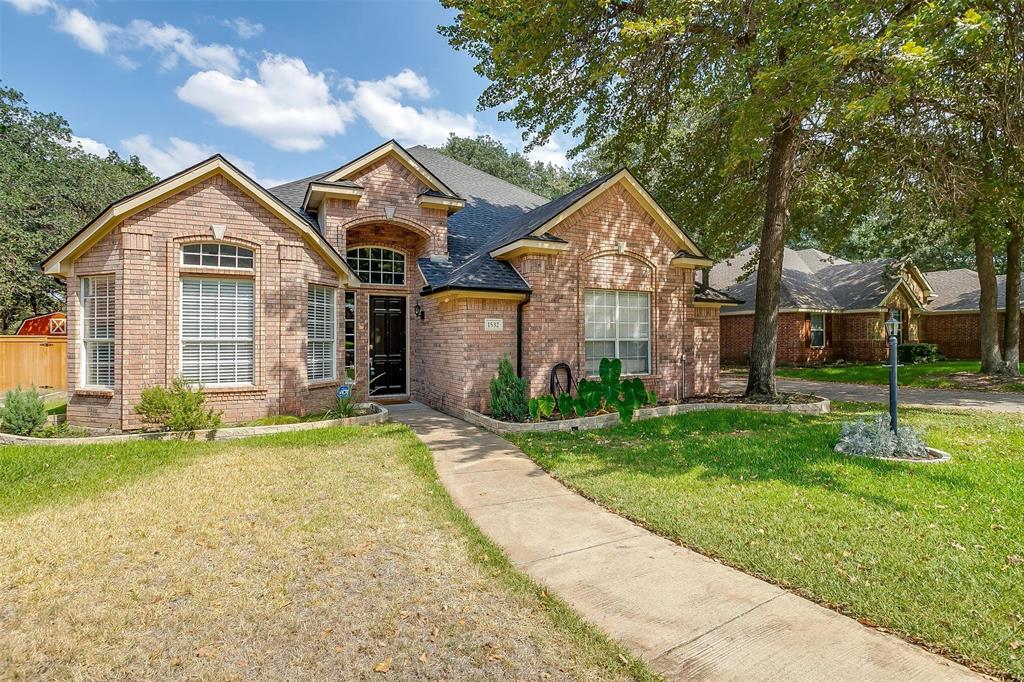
(494, 325)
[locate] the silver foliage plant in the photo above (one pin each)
(875, 439)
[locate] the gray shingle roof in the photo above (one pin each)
(811, 279)
(702, 293)
(960, 290)
(496, 212)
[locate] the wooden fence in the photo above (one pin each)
(40, 361)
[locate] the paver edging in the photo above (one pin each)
(940, 457)
(601, 421)
(378, 415)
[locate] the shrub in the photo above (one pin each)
(508, 394)
(917, 353)
(342, 408)
(23, 411)
(179, 408)
(59, 430)
(876, 439)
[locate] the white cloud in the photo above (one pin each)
(179, 154)
(380, 103)
(31, 6)
(244, 28)
(90, 145)
(288, 106)
(87, 32)
(173, 42)
(549, 152)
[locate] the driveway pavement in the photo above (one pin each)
(911, 397)
(689, 617)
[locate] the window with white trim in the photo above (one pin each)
(350, 335)
(617, 324)
(216, 256)
(321, 333)
(97, 307)
(217, 331)
(817, 330)
(377, 265)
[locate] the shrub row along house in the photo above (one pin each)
(832, 309)
(403, 271)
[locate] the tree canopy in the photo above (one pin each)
(485, 153)
(49, 189)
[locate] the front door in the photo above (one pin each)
(387, 345)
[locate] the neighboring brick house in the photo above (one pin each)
(830, 308)
(404, 271)
(951, 321)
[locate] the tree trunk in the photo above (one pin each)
(1011, 320)
(988, 323)
(761, 378)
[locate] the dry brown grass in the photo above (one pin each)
(308, 556)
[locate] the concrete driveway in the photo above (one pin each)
(909, 397)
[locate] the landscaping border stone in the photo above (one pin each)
(941, 457)
(601, 421)
(378, 415)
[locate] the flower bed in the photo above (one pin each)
(600, 421)
(377, 414)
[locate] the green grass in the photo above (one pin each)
(935, 375)
(57, 406)
(933, 552)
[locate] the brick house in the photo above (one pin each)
(404, 272)
(830, 308)
(952, 317)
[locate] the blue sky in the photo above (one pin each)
(284, 89)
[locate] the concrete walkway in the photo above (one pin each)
(910, 397)
(689, 617)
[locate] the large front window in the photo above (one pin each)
(217, 331)
(320, 333)
(376, 265)
(98, 331)
(617, 325)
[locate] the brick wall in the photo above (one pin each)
(613, 244)
(143, 253)
(957, 334)
(864, 337)
(794, 340)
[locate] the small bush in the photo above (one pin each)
(59, 430)
(917, 353)
(876, 439)
(23, 412)
(179, 408)
(508, 394)
(342, 408)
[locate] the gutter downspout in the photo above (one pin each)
(519, 335)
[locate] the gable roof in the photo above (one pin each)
(393, 149)
(58, 262)
(811, 280)
(959, 290)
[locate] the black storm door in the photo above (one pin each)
(387, 345)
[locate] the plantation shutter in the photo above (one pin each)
(217, 331)
(320, 333)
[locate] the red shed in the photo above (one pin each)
(50, 324)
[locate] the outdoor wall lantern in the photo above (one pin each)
(892, 326)
(418, 311)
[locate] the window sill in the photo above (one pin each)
(229, 390)
(323, 383)
(94, 392)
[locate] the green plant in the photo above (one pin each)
(59, 430)
(918, 353)
(565, 405)
(179, 408)
(343, 408)
(23, 411)
(508, 394)
(541, 407)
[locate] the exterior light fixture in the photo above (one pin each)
(892, 326)
(418, 311)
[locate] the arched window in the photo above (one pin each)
(216, 256)
(377, 265)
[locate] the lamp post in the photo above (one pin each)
(892, 326)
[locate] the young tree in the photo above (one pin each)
(779, 73)
(49, 189)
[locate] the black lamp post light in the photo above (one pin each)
(892, 326)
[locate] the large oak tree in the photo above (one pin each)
(770, 78)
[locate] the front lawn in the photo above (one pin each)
(326, 554)
(956, 374)
(934, 552)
